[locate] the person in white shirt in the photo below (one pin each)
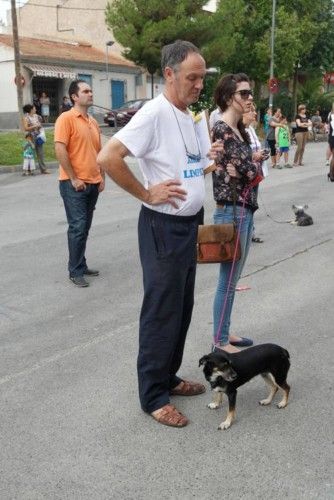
(171, 149)
(215, 116)
(259, 155)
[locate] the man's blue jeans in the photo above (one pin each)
(79, 207)
(224, 215)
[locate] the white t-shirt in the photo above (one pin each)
(154, 137)
(215, 117)
(256, 146)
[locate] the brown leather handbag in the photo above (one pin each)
(218, 242)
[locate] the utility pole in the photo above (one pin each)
(272, 46)
(17, 57)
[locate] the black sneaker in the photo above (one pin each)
(91, 272)
(79, 281)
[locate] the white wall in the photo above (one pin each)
(158, 86)
(8, 101)
(102, 87)
(8, 92)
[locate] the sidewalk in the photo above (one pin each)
(9, 169)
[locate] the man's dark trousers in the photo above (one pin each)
(79, 207)
(167, 246)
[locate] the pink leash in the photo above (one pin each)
(231, 271)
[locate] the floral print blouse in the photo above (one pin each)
(239, 154)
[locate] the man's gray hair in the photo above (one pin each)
(175, 53)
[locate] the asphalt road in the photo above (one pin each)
(70, 424)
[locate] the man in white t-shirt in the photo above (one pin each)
(171, 149)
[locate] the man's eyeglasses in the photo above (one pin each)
(244, 94)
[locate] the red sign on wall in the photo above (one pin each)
(329, 78)
(22, 81)
(273, 85)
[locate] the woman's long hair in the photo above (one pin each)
(224, 91)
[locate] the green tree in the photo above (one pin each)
(144, 26)
(304, 37)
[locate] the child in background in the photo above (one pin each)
(283, 141)
(28, 155)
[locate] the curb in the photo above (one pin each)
(9, 169)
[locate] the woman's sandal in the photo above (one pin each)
(169, 415)
(187, 388)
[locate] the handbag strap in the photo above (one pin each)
(216, 336)
(234, 197)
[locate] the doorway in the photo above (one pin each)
(117, 93)
(52, 88)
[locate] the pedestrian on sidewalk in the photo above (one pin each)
(77, 143)
(28, 155)
(171, 150)
(283, 142)
(232, 184)
(274, 122)
(302, 127)
(259, 155)
(32, 122)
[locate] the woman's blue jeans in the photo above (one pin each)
(79, 207)
(224, 215)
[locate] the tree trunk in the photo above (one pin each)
(17, 57)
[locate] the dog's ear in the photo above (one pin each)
(203, 360)
(293, 207)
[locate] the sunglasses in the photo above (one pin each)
(244, 94)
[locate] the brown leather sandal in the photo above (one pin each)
(169, 415)
(187, 388)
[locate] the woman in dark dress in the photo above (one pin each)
(236, 178)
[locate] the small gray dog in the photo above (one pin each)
(301, 217)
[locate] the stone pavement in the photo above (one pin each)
(71, 426)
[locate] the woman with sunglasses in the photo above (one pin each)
(302, 125)
(234, 179)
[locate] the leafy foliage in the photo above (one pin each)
(143, 27)
(235, 38)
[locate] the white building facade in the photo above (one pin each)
(49, 66)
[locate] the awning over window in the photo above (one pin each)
(51, 71)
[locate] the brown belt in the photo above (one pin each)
(220, 205)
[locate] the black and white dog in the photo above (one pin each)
(301, 217)
(226, 372)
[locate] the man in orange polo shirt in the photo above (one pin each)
(77, 143)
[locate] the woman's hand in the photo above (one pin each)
(258, 155)
(232, 171)
(216, 149)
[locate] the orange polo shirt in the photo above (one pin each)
(81, 136)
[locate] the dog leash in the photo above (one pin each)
(216, 336)
(268, 215)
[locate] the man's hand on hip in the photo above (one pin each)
(166, 192)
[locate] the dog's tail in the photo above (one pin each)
(286, 353)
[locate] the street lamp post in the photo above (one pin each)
(108, 44)
(272, 46)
